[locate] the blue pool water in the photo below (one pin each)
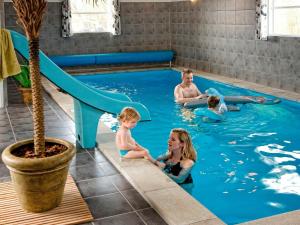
(248, 165)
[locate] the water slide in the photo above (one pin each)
(89, 103)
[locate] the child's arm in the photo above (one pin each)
(160, 158)
(139, 147)
(163, 157)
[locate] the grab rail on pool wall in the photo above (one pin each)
(89, 103)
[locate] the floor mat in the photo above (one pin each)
(72, 210)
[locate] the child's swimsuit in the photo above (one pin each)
(123, 152)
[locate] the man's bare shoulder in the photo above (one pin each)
(178, 86)
(178, 89)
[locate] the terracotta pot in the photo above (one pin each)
(39, 183)
(26, 95)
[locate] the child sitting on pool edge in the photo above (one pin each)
(127, 146)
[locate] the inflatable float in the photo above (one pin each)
(209, 115)
(235, 100)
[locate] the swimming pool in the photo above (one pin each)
(248, 165)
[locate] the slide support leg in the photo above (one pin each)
(86, 123)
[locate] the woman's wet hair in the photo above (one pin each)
(188, 151)
(129, 113)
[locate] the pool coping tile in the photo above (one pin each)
(169, 200)
(289, 218)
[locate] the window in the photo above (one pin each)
(284, 17)
(89, 18)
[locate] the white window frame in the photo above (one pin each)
(270, 19)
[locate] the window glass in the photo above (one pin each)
(284, 3)
(81, 6)
(287, 21)
(284, 17)
(89, 18)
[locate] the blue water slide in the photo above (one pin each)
(113, 58)
(89, 103)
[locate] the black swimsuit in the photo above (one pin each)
(175, 170)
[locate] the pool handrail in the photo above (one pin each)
(89, 103)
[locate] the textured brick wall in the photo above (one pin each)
(145, 26)
(219, 36)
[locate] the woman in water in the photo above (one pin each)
(180, 158)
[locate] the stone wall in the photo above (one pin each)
(145, 26)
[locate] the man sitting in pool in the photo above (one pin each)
(187, 91)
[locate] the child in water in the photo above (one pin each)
(127, 146)
(213, 103)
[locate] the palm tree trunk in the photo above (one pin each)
(30, 15)
(37, 97)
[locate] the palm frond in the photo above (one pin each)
(30, 14)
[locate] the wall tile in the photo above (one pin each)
(250, 62)
(239, 4)
(230, 4)
(221, 4)
(240, 17)
(249, 17)
(230, 31)
(261, 48)
(221, 17)
(249, 4)
(230, 17)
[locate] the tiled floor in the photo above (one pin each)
(111, 199)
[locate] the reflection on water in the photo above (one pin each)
(283, 178)
(275, 204)
(261, 134)
(285, 182)
(110, 121)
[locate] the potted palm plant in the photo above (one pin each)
(38, 166)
